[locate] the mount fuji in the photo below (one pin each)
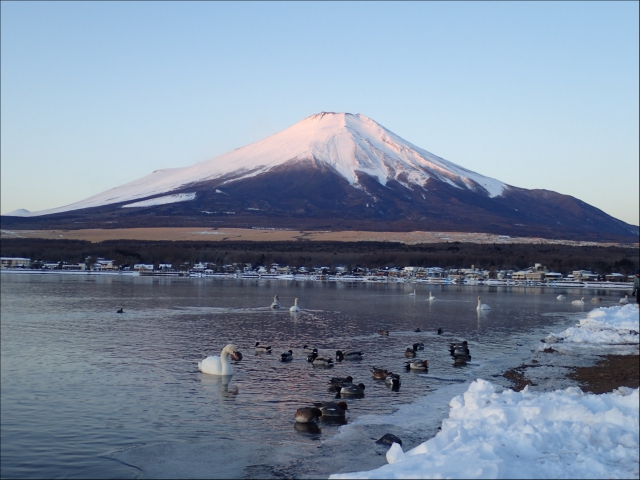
(332, 171)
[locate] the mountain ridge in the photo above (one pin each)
(334, 171)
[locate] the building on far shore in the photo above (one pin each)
(15, 262)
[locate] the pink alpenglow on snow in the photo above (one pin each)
(344, 142)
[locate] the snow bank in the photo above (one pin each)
(603, 326)
(562, 434)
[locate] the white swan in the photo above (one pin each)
(624, 300)
(578, 302)
(482, 306)
(431, 297)
(295, 307)
(412, 294)
(561, 297)
(276, 303)
(220, 365)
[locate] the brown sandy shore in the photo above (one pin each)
(274, 235)
(609, 373)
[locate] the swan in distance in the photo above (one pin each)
(578, 302)
(431, 297)
(276, 303)
(624, 300)
(561, 297)
(412, 294)
(482, 306)
(221, 365)
(295, 307)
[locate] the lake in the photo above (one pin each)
(89, 393)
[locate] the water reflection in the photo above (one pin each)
(220, 383)
(307, 427)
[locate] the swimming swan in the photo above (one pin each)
(561, 297)
(276, 303)
(431, 297)
(295, 307)
(412, 294)
(482, 306)
(578, 302)
(220, 365)
(624, 300)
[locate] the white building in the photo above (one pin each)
(15, 262)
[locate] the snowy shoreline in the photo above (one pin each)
(564, 433)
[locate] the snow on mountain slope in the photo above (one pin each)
(347, 143)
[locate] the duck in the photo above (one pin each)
(417, 330)
(308, 349)
(421, 365)
(307, 414)
(332, 409)
(596, 300)
(379, 373)
(482, 306)
(392, 380)
(440, 331)
(454, 346)
(120, 311)
(624, 300)
(221, 365)
(262, 348)
(287, 356)
(410, 352)
(353, 355)
(312, 356)
(384, 332)
(431, 297)
(458, 352)
(412, 294)
(276, 303)
(348, 355)
(295, 307)
(341, 380)
(578, 302)
(322, 362)
(418, 346)
(561, 297)
(353, 390)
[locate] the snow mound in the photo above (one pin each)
(561, 434)
(180, 197)
(603, 326)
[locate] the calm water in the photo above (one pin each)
(90, 393)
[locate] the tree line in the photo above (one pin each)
(557, 258)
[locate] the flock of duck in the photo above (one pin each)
(342, 387)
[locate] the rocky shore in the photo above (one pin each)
(611, 372)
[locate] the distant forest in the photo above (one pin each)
(557, 258)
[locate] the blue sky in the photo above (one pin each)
(535, 94)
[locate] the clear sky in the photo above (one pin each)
(534, 94)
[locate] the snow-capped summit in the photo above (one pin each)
(333, 171)
(345, 142)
